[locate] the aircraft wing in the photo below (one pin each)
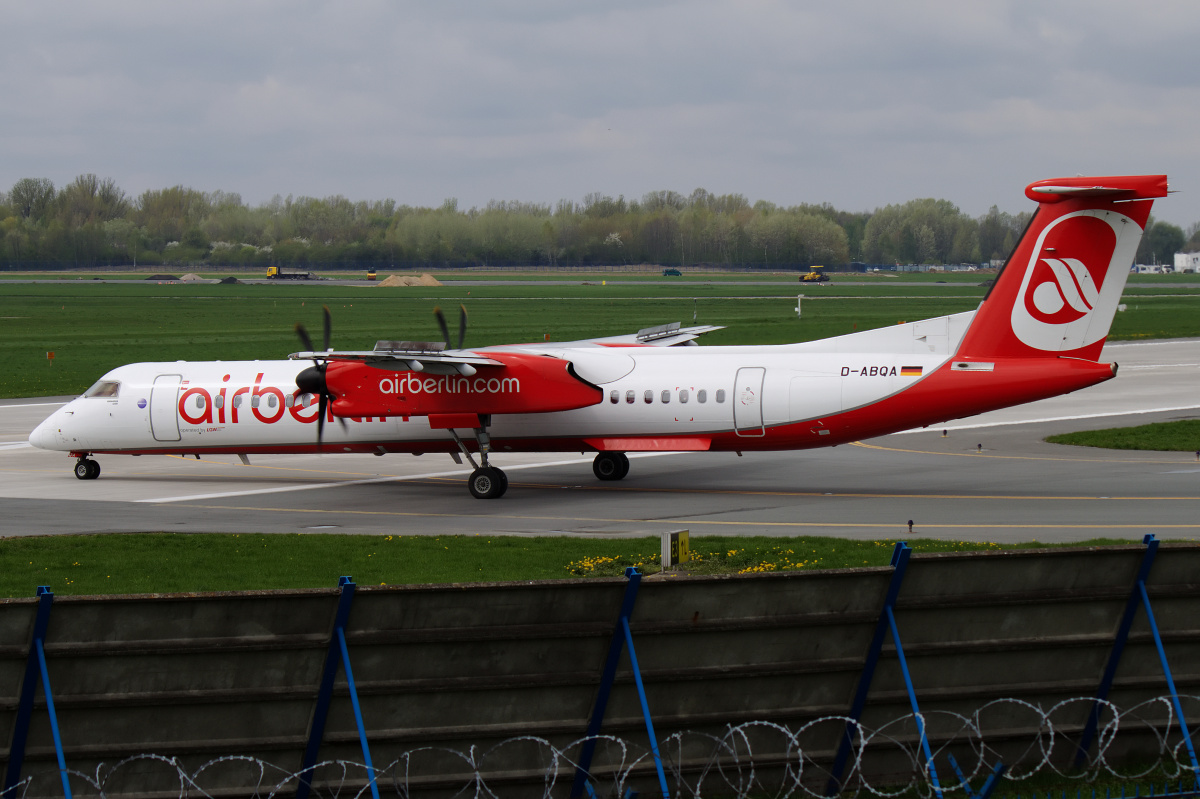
(671, 335)
(417, 356)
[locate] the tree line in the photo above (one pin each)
(92, 222)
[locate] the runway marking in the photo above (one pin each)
(852, 495)
(463, 472)
(715, 523)
(443, 479)
(273, 468)
(17, 445)
(34, 405)
(933, 428)
(974, 454)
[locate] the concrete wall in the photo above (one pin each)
(196, 677)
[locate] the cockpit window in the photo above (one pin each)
(104, 388)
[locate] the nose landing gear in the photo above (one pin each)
(86, 469)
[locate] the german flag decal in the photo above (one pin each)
(910, 371)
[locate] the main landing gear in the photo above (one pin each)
(486, 482)
(86, 469)
(610, 465)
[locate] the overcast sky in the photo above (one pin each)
(854, 103)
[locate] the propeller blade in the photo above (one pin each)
(304, 339)
(322, 404)
(462, 325)
(441, 320)
(328, 328)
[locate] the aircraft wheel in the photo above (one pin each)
(610, 465)
(86, 469)
(487, 482)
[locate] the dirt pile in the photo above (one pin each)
(410, 280)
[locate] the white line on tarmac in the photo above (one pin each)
(33, 405)
(1045, 419)
(17, 445)
(390, 479)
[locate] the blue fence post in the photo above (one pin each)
(1162, 658)
(358, 718)
(1118, 649)
(333, 656)
(989, 786)
(900, 556)
(637, 678)
(35, 670)
(912, 699)
(582, 769)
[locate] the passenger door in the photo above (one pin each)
(164, 415)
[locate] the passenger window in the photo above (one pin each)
(200, 402)
(630, 396)
(720, 395)
(683, 395)
(271, 401)
(649, 396)
(104, 388)
(237, 401)
(701, 396)
(614, 396)
(254, 401)
(288, 400)
(219, 401)
(666, 395)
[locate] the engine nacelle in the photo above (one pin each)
(524, 384)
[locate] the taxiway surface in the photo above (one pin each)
(989, 478)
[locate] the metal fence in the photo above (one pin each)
(1079, 660)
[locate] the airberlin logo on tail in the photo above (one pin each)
(1067, 293)
(1072, 280)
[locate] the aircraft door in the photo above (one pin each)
(164, 416)
(747, 401)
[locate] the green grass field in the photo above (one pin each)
(1181, 436)
(171, 562)
(92, 327)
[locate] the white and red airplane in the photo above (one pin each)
(1038, 333)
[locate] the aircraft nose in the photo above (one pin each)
(44, 436)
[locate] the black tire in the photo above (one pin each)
(95, 470)
(82, 470)
(487, 483)
(610, 465)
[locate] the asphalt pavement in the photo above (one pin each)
(988, 478)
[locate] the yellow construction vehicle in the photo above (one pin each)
(814, 276)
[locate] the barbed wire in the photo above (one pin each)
(752, 759)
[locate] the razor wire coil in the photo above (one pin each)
(749, 760)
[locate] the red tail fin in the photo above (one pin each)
(1058, 292)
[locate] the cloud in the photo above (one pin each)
(856, 103)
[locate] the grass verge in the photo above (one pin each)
(94, 327)
(1180, 436)
(173, 562)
